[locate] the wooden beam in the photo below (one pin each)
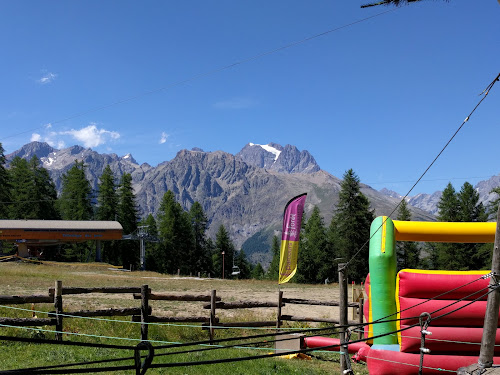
(242, 305)
(13, 300)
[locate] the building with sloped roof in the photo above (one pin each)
(29, 235)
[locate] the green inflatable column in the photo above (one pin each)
(383, 281)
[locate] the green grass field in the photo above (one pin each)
(24, 279)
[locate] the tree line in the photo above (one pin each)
(28, 192)
(181, 237)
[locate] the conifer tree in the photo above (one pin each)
(312, 260)
(352, 221)
(258, 272)
(176, 235)
(106, 198)
(22, 190)
(152, 248)
(200, 257)
(5, 197)
(107, 211)
(244, 266)
(464, 207)
(33, 192)
(128, 217)
(448, 205)
(407, 252)
(223, 244)
(44, 194)
(128, 214)
(492, 209)
(273, 270)
(75, 201)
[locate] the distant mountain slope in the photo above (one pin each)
(246, 198)
(274, 157)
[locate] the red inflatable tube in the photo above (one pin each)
(446, 340)
(466, 315)
(385, 362)
(318, 341)
(429, 284)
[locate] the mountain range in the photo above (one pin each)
(245, 192)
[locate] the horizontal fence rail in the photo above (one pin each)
(144, 313)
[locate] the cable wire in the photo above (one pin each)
(485, 94)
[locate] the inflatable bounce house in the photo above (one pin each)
(399, 299)
(454, 300)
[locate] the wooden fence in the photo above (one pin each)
(144, 313)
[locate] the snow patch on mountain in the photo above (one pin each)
(269, 148)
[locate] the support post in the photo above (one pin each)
(343, 313)
(58, 305)
(491, 317)
(280, 302)
(144, 312)
(98, 251)
(360, 316)
(213, 300)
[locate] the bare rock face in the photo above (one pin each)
(246, 192)
(274, 157)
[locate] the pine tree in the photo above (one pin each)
(107, 211)
(407, 252)
(45, 193)
(22, 190)
(273, 270)
(464, 207)
(448, 205)
(32, 191)
(223, 244)
(312, 259)
(470, 209)
(200, 257)
(106, 198)
(352, 221)
(245, 268)
(75, 200)
(128, 217)
(176, 235)
(493, 205)
(258, 272)
(5, 197)
(152, 248)
(128, 214)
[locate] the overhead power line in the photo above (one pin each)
(484, 94)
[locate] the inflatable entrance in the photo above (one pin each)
(456, 336)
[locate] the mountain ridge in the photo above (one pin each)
(237, 191)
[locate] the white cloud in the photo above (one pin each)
(235, 103)
(91, 136)
(35, 137)
(47, 78)
(163, 138)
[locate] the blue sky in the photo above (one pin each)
(149, 78)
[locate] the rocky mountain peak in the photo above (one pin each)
(277, 158)
(40, 149)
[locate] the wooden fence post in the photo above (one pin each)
(343, 314)
(213, 300)
(59, 309)
(491, 316)
(144, 312)
(360, 317)
(280, 302)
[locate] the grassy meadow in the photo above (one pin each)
(30, 278)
